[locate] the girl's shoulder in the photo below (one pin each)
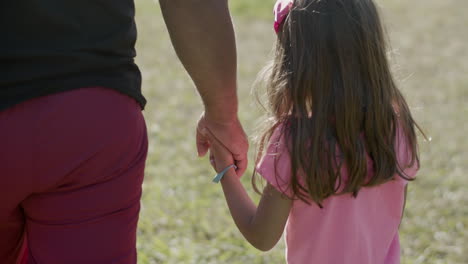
(404, 155)
(275, 164)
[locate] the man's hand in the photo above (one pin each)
(220, 156)
(229, 133)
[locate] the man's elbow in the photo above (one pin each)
(165, 4)
(192, 2)
(264, 248)
(263, 244)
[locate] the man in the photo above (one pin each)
(203, 36)
(73, 140)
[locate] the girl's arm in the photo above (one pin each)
(262, 226)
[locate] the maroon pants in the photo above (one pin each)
(71, 170)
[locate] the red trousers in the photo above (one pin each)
(71, 170)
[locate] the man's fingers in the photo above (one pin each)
(241, 163)
(212, 160)
(229, 137)
(213, 141)
(207, 134)
(202, 144)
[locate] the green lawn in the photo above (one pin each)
(184, 218)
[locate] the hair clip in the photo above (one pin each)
(281, 11)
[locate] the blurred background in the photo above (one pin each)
(184, 217)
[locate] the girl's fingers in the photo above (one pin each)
(212, 160)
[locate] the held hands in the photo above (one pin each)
(220, 157)
(224, 139)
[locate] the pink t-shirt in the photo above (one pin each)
(362, 230)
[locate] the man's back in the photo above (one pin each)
(50, 46)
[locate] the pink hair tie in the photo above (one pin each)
(281, 11)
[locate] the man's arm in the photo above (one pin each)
(203, 37)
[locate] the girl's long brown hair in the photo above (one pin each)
(330, 83)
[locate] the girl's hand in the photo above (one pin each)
(228, 133)
(220, 156)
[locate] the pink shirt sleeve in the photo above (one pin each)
(404, 155)
(275, 165)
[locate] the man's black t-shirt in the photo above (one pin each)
(50, 46)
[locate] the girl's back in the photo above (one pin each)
(361, 229)
(351, 144)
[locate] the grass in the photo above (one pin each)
(184, 218)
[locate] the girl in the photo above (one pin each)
(341, 144)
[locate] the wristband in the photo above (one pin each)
(220, 175)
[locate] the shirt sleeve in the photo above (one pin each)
(404, 155)
(275, 165)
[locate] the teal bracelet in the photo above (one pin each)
(220, 175)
